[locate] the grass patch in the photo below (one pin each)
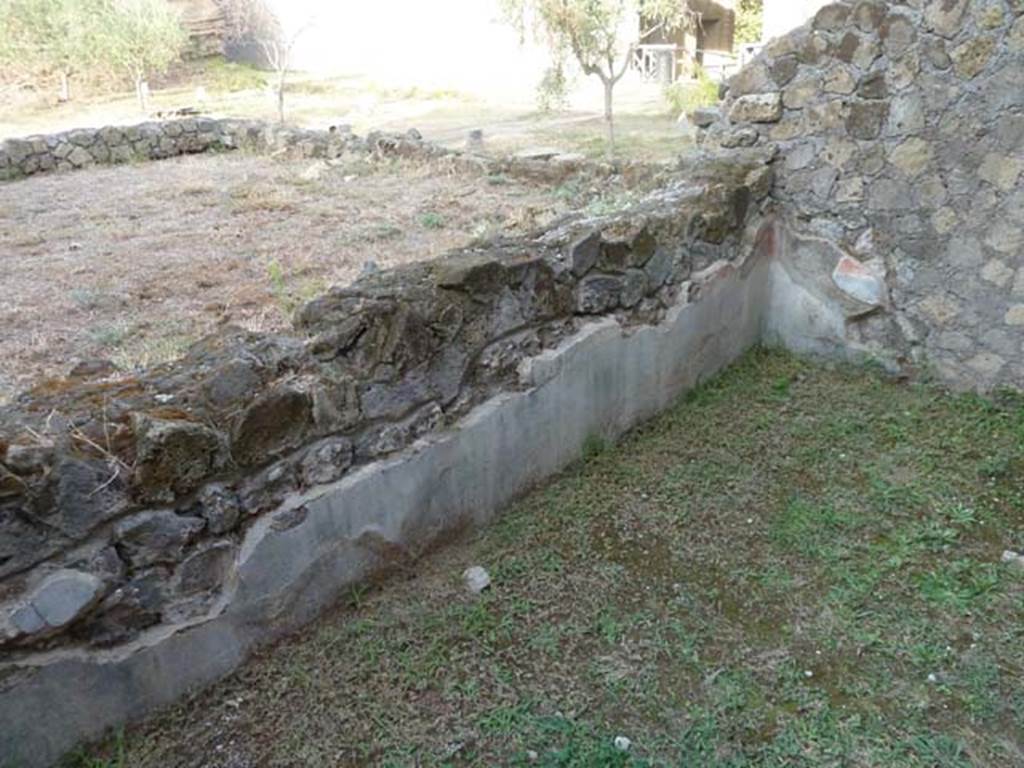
(432, 220)
(109, 336)
(221, 76)
(144, 352)
(684, 96)
(258, 198)
(793, 566)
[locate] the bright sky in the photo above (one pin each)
(460, 44)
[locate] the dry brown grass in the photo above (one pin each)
(133, 263)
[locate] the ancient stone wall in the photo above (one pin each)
(159, 140)
(900, 132)
(153, 528)
(85, 147)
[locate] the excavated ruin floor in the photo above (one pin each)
(133, 263)
(795, 566)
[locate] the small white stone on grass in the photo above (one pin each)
(477, 579)
(622, 743)
(1013, 559)
(314, 172)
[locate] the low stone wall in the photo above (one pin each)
(159, 140)
(153, 529)
(900, 179)
(85, 147)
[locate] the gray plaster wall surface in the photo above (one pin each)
(900, 135)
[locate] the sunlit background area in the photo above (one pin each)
(444, 68)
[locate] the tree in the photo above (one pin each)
(253, 23)
(749, 21)
(591, 32)
(141, 38)
(44, 38)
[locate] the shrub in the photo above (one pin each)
(684, 96)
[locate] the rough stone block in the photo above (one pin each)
(970, 58)
(831, 17)
(866, 118)
(584, 253)
(61, 599)
(598, 294)
(275, 422)
(173, 457)
(156, 536)
(757, 108)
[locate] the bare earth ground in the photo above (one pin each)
(794, 567)
(645, 130)
(134, 263)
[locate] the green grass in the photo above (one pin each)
(684, 96)
(794, 566)
(221, 76)
(109, 336)
(432, 220)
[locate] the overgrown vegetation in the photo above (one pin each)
(749, 21)
(795, 566)
(684, 96)
(142, 37)
(255, 24)
(57, 39)
(589, 33)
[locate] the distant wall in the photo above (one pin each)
(85, 147)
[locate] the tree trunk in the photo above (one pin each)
(280, 95)
(65, 86)
(609, 86)
(141, 91)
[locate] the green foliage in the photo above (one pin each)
(749, 21)
(553, 89)
(684, 96)
(432, 220)
(141, 37)
(46, 38)
(276, 275)
(594, 446)
(43, 38)
(109, 336)
(589, 32)
(221, 76)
